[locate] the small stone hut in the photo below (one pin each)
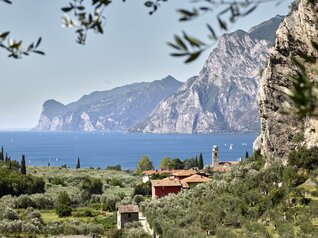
(125, 214)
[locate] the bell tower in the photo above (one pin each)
(215, 155)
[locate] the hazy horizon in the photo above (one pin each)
(133, 49)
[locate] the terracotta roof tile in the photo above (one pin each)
(166, 182)
(196, 178)
(188, 172)
(151, 172)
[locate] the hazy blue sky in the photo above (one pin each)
(132, 49)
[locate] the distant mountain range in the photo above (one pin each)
(222, 98)
(114, 110)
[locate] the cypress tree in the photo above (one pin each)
(7, 159)
(78, 165)
(2, 154)
(201, 163)
(246, 154)
(196, 161)
(23, 167)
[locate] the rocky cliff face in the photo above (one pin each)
(222, 98)
(278, 130)
(116, 109)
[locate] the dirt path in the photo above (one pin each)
(145, 224)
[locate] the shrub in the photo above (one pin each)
(225, 232)
(88, 213)
(298, 138)
(30, 214)
(109, 203)
(108, 221)
(83, 213)
(8, 201)
(314, 193)
(25, 201)
(57, 181)
(10, 214)
(54, 228)
(85, 196)
(63, 210)
(114, 233)
(116, 182)
(138, 199)
(31, 227)
(92, 185)
(134, 224)
(122, 195)
(63, 205)
(10, 227)
(73, 227)
(42, 202)
(291, 177)
(143, 189)
(304, 158)
(95, 198)
(136, 233)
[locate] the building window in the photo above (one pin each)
(129, 215)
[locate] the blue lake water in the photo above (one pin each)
(104, 149)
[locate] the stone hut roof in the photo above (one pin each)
(128, 209)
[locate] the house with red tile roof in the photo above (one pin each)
(163, 187)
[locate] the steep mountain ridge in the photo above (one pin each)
(222, 98)
(280, 130)
(116, 109)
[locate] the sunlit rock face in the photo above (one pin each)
(222, 98)
(114, 110)
(278, 130)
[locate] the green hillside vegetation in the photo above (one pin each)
(68, 201)
(255, 199)
(15, 182)
(252, 200)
